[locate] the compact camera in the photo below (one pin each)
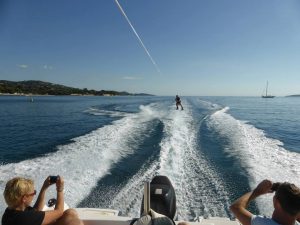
(275, 186)
(53, 179)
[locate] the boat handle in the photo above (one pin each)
(146, 198)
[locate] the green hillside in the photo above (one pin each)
(35, 87)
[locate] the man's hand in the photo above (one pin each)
(262, 188)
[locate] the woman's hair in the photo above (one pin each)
(15, 189)
(288, 196)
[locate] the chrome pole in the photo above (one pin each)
(146, 198)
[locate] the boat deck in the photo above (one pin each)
(91, 216)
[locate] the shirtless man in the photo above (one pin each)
(178, 102)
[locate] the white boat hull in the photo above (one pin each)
(93, 216)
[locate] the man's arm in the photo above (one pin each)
(239, 207)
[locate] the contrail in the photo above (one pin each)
(138, 37)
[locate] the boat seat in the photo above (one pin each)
(159, 199)
(162, 197)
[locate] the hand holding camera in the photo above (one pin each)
(58, 180)
(275, 186)
(263, 187)
(53, 179)
(59, 183)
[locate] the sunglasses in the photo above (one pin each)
(32, 194)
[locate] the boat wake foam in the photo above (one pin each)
(200, 191)
(262, 157)
(86, 160)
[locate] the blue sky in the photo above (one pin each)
(201, 47)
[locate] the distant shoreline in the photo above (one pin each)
(292, 96)
(32, 95)
(71, 95)
(36, 87)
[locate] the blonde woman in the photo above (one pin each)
(19, 193)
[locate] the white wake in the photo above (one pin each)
(263, 158)
(84, 161)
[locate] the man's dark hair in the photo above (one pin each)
(288, 196)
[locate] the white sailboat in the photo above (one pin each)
(266, 95)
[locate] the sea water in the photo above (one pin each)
(213, 151)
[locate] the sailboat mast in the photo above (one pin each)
(266, 95)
